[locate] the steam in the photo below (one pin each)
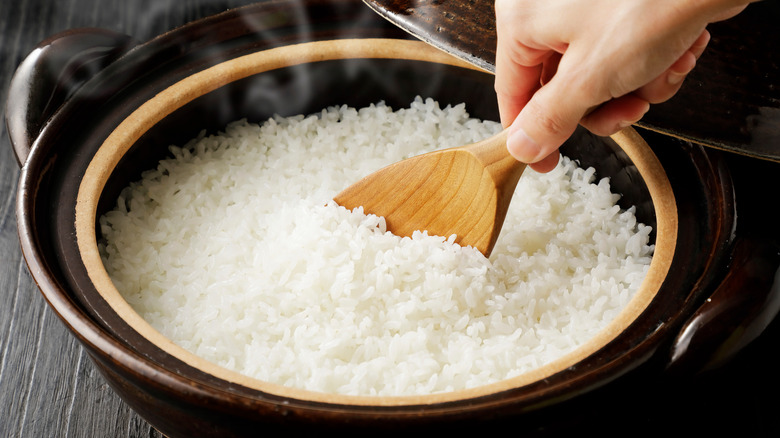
(297, 19)
(280, 22)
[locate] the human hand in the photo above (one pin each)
(599, 63)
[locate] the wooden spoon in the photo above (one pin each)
(464, 191)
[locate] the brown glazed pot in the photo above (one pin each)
(80, 88)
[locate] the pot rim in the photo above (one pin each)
(193, 86)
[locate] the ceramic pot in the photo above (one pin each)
(89, 110)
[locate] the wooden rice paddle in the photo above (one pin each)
(463, 191)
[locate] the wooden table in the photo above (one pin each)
(49, 388)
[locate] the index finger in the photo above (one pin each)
(518, 77)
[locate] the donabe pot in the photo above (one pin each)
(89, 110)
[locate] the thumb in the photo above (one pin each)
(543, 125)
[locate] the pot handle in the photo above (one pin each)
(739, 309)
(51, 73)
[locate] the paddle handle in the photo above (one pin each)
(503, 167)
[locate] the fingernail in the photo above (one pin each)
(523, 147)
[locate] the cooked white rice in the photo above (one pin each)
(235, 250)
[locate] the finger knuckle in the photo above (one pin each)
(549, 121)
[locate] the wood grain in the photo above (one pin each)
(463, 191)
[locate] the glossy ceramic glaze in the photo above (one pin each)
(57, 144)
(730, 101)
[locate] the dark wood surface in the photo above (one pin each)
(49, 387)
